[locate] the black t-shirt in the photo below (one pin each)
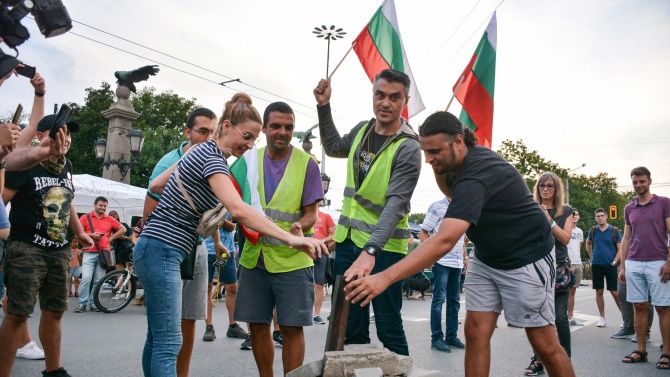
(561, 250)
(507, 226)
(40, 212)
(370, 147)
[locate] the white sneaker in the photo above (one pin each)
(576, 322)
(30, 351)
(602, 322)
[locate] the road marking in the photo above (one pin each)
(586, 319)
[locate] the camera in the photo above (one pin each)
(51, 17)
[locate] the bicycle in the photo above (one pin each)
(115, 290)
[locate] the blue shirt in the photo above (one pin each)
(431, 223)
(4, 220)
(604, 250)
(227, 240)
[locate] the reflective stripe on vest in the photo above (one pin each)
(284, 209)
(361, 209)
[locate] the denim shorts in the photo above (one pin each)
(74, 272)
(642, 279)
(30, 270)
(227, 273)
(260, 291)
(320, 265)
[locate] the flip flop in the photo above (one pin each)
(663, 364)
(630, 359)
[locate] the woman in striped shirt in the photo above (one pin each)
(170, 230)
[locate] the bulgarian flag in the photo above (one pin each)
(476, 91)
(244, 174)
(379, 47)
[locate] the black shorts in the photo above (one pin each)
(320, 265)
(602, 273)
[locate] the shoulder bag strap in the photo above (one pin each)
(90, 224)
(180, 185)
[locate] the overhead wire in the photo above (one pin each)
(454, 32)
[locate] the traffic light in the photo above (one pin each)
(614, 213)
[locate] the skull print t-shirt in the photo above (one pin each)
(40, 209)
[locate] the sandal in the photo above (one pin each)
(69, 294)
(663, 364)
(534, 368)
(76, 294)
(630, 359)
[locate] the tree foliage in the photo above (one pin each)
(417, 218)
(162, 122)
(587, 193)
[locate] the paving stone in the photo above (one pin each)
(368, 372)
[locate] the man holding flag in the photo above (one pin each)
(383, 168)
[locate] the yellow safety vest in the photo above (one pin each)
(362, 207)
(285, 208)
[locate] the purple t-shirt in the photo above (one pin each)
(649, 235)
(273, 172)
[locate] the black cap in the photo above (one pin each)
(48, 121)
(7, 64)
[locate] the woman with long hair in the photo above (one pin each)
(170, 232)
(548, 192)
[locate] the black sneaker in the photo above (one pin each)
(534, 368)
(210, 334)
(246, 345)
(60, 372)
(236, 331)
(80, 309)
(276, 336)
(94, 308)
(319, 320)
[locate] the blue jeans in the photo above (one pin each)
(386, 306)
(157, 265)
(447, 284)
(91, 272)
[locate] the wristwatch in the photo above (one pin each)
(371, 250)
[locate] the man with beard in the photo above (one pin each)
(38, 254)
(646, 267)
(513, 267)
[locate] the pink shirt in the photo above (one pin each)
(323, 223)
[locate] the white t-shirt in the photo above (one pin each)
(574, 252)
(431, 223)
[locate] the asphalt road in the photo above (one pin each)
(98, 344)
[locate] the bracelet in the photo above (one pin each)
(553, 223)
(39, 94)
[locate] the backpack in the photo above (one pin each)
(615, 230)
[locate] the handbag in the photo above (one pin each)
(105, 257)
(565, 278)
(187, 266)
(210, 220)
(123, 250)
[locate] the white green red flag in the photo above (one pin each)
(379, 46)
(476, 91)
(244, 174)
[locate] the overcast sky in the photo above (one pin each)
(578, 81)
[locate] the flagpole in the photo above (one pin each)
(338, 64)
(460, 81)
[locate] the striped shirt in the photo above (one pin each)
(174, 221)
(431, 223)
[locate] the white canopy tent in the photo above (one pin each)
(126, 200)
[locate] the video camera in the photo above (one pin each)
(50, 15)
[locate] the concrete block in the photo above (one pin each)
(418, 372)
(355, 356)
(405, 365)
(368, 372)
(312, 369)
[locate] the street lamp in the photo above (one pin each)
(136, 139)
(567, 182)
(330, 34)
